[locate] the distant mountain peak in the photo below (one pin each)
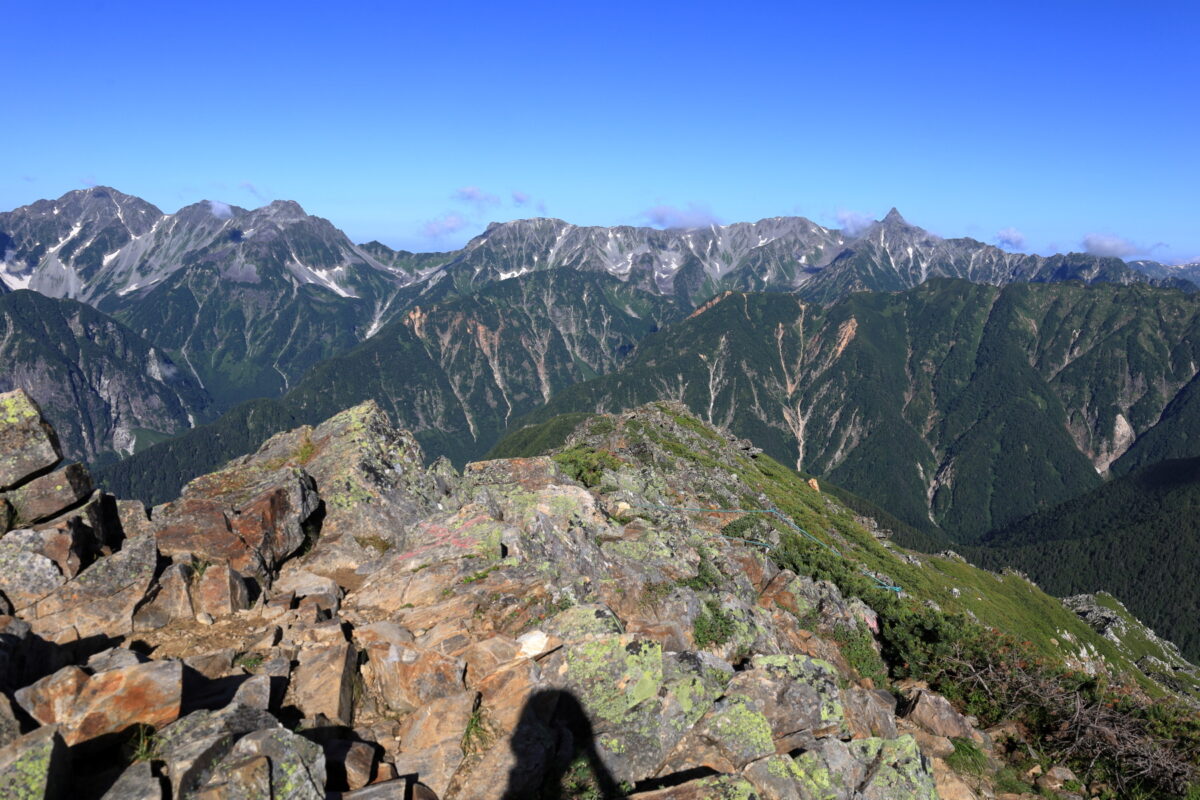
(893, 218)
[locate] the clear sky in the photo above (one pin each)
(1045, 125)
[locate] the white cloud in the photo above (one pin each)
(220, 210)
(444, 225)
(1010, 239)
(694, 216)
(853, 222)
(1103, 244)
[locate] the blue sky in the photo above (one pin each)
(1049, 126)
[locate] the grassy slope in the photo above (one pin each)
(1007, 602)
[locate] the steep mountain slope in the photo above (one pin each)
(1137, 537)
(456, 373)
(953, 404)
(102, 386)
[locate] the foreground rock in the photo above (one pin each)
(327, 617)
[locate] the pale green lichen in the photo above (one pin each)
(742, 727)
(614, 677)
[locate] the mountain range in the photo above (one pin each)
(958, 386)
(247, 301)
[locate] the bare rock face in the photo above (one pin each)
(100, 600)
(483, 637)
(90, 707)
(47, 496)
(28, 444)
(250, 516)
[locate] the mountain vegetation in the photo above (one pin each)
(953, 405)
(101, 385)
(1137, 537)
(456, 374)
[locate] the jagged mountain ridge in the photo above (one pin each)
(777, 254)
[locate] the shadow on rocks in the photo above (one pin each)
(555, 752)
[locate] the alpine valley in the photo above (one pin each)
(902, 393)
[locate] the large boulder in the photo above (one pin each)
(252, 515)
(192, 747)
(292, 766)
(100, 601)
(111, 702)
(28, 445)
(50, 494)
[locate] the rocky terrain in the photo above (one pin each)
(328, 617)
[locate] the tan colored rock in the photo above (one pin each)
(870, 713)
(101, 599)
(951, 786)
(171, 599)
(932, 745)
(323, 682)
(434, 766)
(221, 591)
(350, 764)
(934, 713)
(48, 495)
(404, 678)
(442, 720)
(1055, 778)
(482, 658)
(28, 445)
(87, 708)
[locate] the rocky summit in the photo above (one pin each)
(331, 618)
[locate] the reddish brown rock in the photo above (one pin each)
(44, 497)
(351, 765)
(404, 678)
(52, 698)
(323, 682)
(28, 444)
(86, 708)
(249, 515)
(220, 591)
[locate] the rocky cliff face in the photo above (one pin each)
(102, 386)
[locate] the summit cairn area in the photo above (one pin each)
(331, 618)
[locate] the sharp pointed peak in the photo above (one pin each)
(894, 217)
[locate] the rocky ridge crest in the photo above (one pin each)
(329, 618)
